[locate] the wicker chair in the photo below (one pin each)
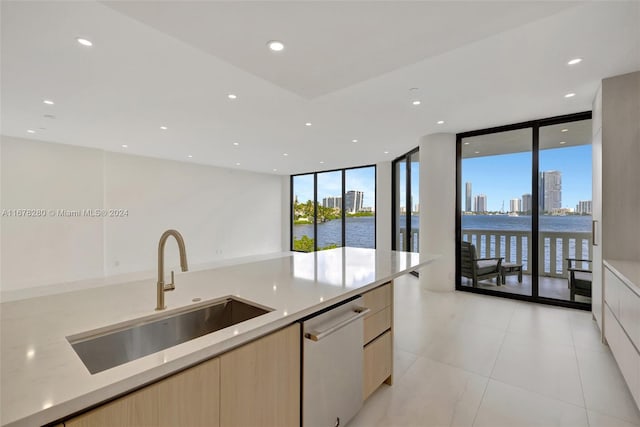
(476, 268)
(579, 279)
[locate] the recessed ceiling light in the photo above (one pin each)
(440, 122)
(354, 140)
(467, 143)
(275, 45)
(570, 95)
(285, 154)
(48, 102)
(275, 170)
(84, 42)
(237, 163)
(386, 152)
(31, 131)
(575, 61)
(477, 152)
(49, 116)
(190, 156)
(232, 96)
(236, 143)
(563, 142)
(416, 102)
(308, 124)
(124, 146)
(564, 130)
(164, 127)
(321, 162)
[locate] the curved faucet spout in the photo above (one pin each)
(161, 286)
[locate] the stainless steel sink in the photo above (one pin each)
(101, 351)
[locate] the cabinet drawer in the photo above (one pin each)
(378, 298)
(377, 323)
(612, 291)
(377, 364)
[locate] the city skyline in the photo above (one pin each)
(330, 185)
(507, 176)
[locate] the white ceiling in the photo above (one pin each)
(347, 68)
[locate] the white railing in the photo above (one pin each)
(415, 239)
(515, 247)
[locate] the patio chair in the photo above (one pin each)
(476, 268)
(579, 279)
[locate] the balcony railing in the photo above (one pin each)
(415, 239)
(515, 247)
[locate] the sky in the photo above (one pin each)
(508, 176)
(330, 184)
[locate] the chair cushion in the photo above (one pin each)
(486, 267)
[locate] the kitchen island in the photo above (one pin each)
(44, 381)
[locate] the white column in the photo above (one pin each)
(383, 206)
(437, 209)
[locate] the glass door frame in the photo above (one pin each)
(406, 157)
(535, 126)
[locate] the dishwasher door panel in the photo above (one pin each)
(332, 367)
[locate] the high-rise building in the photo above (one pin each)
(467, 205)
(514, 205)
(332, 202)
(550, 190)
(480, 203)
(353, 201)
(584, 207)
(526, 203)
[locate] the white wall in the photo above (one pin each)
(42, 250)
(383, 206)
(437, 209)
(221, 213)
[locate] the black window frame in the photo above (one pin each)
(535, 126)
(406, 157)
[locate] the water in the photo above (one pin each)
(568, 223)
(359, 232)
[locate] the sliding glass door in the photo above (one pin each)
(406, 202)
(496, 222)
(524, 210)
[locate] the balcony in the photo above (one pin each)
(515, 247)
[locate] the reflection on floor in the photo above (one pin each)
(549, 287)
(464, 359)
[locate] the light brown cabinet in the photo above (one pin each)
(190, 397)
(257, 384)
(378, 339)
(260, 382)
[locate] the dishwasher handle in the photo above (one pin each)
(359, 312)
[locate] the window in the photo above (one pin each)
(333, 209)
(406, 202)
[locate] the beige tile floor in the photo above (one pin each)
(463, 359)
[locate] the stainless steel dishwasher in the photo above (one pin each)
(332, 365)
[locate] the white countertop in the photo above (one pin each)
(627, 271)
(43, 379)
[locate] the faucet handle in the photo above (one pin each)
(170, 286)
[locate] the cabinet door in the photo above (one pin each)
(136, 409)
(260, 382)
(189, 398)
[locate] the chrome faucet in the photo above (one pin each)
(162, 287)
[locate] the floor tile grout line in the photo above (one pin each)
(537, 393)
(575, 353)
(484, 392)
